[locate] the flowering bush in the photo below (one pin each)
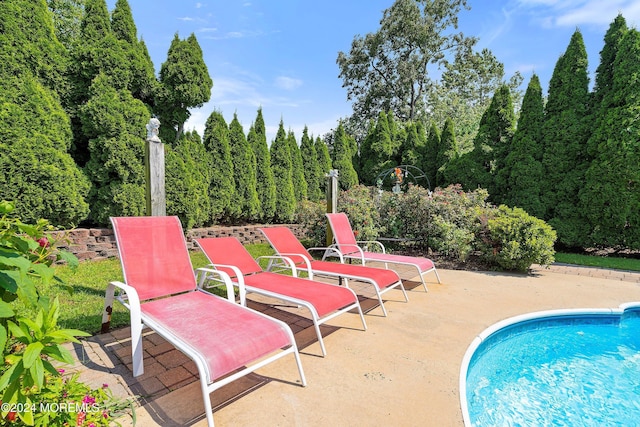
(28, 377)
(359, 204)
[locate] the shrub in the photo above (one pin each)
(359, 204)
(444, 221)
(29, 345)
(514, 240)
(311, 215)
(36, 171)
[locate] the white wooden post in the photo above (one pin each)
(154, 171)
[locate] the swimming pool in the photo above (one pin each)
(560, 368)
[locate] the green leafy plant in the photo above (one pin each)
(30, 346)
(514, 239)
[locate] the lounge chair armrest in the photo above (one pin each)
(328, 251)
(132, 302)
(374, 242)
(237, 275)
(204, 275)
(304, 260)
(288, 262)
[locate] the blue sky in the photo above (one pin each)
(281, 54)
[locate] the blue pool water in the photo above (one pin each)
(557, 370)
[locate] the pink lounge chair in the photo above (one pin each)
(324, 301)
(347, 247)
(224, 339)
(286, 244)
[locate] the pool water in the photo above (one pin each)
(569, 370)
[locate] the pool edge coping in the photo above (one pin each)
(482, 336)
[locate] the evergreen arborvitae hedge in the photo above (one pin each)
(312, 173)
(297, 169)
(244, 167)
(281, 166)
(611, 196)
(36, 171)
(522, 174)
(222, 190)
(115, 124)
(342, 155)
(188, 176)
(266, 187)
(430, 164)
(565, 133)
(324, 162)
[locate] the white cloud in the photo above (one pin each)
(198, 5)
(287, 83)
(186, 19)
(576, 13)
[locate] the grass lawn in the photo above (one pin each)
(82, 309)
(617, 263)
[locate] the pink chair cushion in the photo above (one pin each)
(383, 277)
(154, 256)
(228, 335)
(285, 242)
(342, 232)
(424, 264)
(229, 250)
(324, 297)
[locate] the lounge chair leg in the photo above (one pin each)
(324, 350)
(364, 323)
(404, 292)
(208, 410)
(384, 310)
(424, 284)
(437, 275)
(303, 379)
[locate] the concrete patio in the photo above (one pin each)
(403, 371)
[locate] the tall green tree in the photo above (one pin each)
(430, 163)
(610, 198)
(188, 177)
(522, 174)
(490, 146)
(312, 174)
(379, 150)
(28, 43)
(36, 171)
(300, 186)
(565, 134)
(266, 186)
(115, 124)
(98, 53)
(244, 168)
(281, 166)
(389, 69)
(604, 77)
(413, 146)
(222, 191)
(184, 83)
(342, 159)
(324, 162)
(143, 81)
(451, 164)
